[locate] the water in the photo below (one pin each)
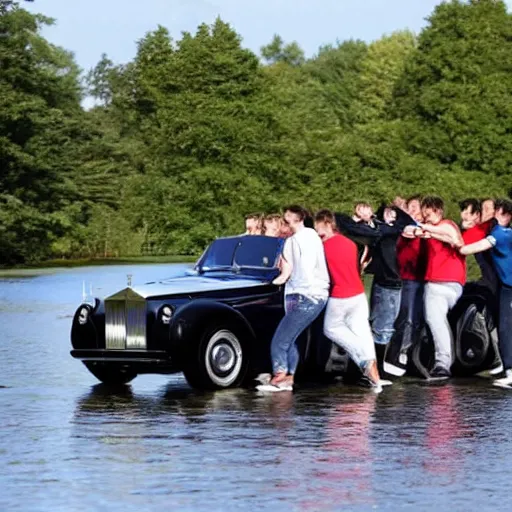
(68, 444)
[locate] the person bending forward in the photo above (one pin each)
(346, 316)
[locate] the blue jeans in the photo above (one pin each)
(385, 304)
(300, 313)
(410, 317)
(505, 327)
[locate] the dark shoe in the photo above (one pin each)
(439, 373)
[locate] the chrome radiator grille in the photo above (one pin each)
(125, 321)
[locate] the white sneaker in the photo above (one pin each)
(271, 388)
(504, 381)
(377, 388)
(497, 370)
(384, 382)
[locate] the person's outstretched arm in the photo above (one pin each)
(445, 232)
(480, 246)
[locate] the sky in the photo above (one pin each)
(91, 27)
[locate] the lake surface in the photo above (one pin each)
(68, 444)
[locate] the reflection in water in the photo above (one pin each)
(345, 460)
(69, 444)
(445, 427)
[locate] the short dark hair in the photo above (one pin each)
(505, 205)
(476, 205)
(300, 211)
(434, 202)
(326, 216)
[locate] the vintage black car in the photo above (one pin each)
(214, 325)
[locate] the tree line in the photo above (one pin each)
(195, 132)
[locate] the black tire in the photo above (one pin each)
(219, 360)
(111, 375)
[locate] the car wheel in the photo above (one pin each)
(220, 360)
(110, 374)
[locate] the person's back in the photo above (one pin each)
(385, 263)
(342, 258)
(304, 271)
(346, 316)
(305, 253)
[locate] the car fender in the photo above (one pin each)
(190, 321)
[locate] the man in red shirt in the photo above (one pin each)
(346, 316)
(445, 276)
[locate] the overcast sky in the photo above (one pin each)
(92, 27)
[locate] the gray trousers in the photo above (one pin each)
(439, 298)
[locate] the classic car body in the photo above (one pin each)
(214, 324)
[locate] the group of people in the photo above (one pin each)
(418, 261)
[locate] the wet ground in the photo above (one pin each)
(70, 444)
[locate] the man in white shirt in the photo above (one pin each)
(304, 271)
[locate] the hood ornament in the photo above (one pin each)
(87, 298)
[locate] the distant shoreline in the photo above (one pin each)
(86, 262)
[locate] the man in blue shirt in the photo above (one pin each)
(499, 241)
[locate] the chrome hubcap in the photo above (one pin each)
(223, 358)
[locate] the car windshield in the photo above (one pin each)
(243, 251)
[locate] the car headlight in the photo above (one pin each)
(83, 316)
(166, 313)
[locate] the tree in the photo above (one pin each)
(456, 89)
(338, 69)
(39, 131)
(9, 4)
(278, 51)
(382, 66)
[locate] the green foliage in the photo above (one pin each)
(457, 87)
(338, 70)
(381, 67)
(196, 132)
(278, 51)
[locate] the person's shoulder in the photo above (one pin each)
(498, 230)
(307, 234)
(501, 231)
(333, 240)
(340, 240)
